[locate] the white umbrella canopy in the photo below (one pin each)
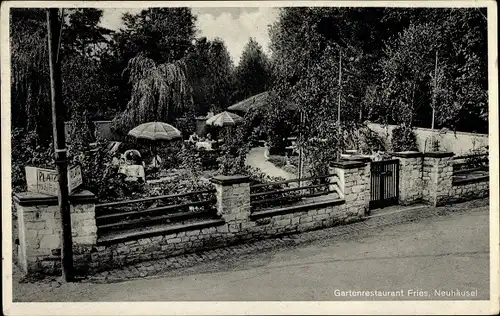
(224, 119)
(155, 131)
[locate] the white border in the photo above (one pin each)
(253, 308)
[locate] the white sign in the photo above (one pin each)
(45, 181)
(75, 178)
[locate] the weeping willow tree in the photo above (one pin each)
(160, 92)
(30, 103)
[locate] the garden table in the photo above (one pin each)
(204, 145)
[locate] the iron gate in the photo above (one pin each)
(384, 190)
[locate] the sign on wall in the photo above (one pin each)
(45, 181)
(75, 178)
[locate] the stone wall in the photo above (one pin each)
(423, 177)
(39, 229)
(474, 188)
(459, 143)
(439, 187)
(39, 225)
(239, 224)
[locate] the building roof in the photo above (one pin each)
(253, 102)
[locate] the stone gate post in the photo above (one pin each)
(410, 176)
(437, 177)
(353, 177)
(233, 200)
(39, 228)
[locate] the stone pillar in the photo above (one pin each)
(353, 177)
(410, 176)
(233, 200)
(437, 177)
(39, 225)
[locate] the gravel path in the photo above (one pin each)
(256, 159)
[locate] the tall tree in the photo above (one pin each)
(83, 84)
(82, 35)
(150, 54)
(29, 70)
(253, 73)
(160, 34)
(210, 69)
(407, 80)
(160, 92)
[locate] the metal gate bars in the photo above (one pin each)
(384, 187)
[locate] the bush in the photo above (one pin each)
(369, 141)
(403, 139)
(278, 161)
(186, 124)
(100, 175)
(26, 151)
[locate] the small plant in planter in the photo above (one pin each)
(403, 139)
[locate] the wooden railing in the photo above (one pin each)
(157, 210)
(266, 195)
(470, 163)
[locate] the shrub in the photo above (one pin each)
(100, 175)
(278, 161)
(477, 161)
(403, 139)
(186, 124)
(369, 141)
(26, 151)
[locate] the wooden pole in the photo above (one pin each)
(301, 157)
(338, 105)
(60, 153)
(434, 100)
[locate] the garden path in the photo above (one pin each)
(257, 159)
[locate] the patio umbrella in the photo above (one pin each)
(155, 131)
(224, 119)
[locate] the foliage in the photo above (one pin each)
(237, 142)
(84, 85)
(27, 151)
(163, 35)
(100, 175)
(209, 71)
(366, 141)
(404, 139)
(306, 63)
(82, 34)
(278, 161)
(30, 93)
(232, 159)
(406, 90)
(159, 92)
(389, 82)
(253, 73)
(190, 160)
(186, 124)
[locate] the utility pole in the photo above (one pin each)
(434, 99)
(338, 105)
(301, 156)
(54, 29)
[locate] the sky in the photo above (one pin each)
(234, 25)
